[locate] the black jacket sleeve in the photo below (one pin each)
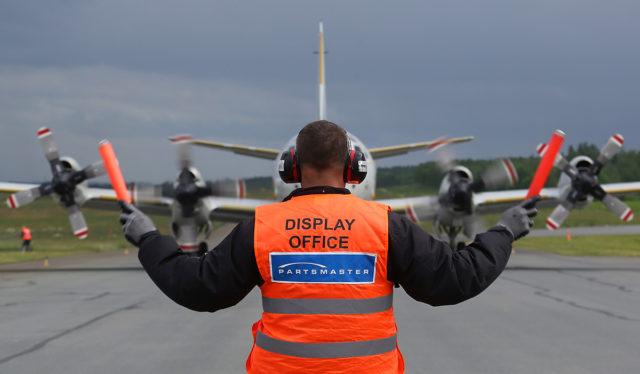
(219, 279)
(430, 272)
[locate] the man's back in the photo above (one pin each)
(326, 298)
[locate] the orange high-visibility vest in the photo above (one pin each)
(327, 303)
(26, 234)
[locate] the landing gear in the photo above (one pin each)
(451, 233)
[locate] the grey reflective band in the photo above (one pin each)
(326, 350)
(327, 306)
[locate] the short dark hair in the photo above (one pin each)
(322, 145)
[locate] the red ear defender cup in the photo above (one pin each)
(355, 168)
(289, 167)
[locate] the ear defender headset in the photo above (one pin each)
(355, 166)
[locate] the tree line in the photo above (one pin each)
(624, 167)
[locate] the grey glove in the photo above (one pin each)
(134, 223)
(517, 219)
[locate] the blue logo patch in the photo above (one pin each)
(322, 267)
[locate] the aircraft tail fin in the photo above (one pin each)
(322, 93)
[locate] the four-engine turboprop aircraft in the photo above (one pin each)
(193, 204)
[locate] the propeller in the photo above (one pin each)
(457, 208)
(63, 184)
(459, 195)
(584, 183)
(189, 188)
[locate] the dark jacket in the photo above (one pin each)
(426, 268)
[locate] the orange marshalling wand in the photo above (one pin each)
(546, 164)
(113, 169)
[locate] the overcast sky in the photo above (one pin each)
(136, 72)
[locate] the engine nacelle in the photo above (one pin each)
(197, 177)
(564, 183)
(70, 165)
(461, 171)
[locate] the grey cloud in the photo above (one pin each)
(136, 72)
(138, 110)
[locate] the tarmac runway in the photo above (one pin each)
(102, 314)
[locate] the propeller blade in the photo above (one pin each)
(559, 214)
(94, 170)
(560, 162)
(78, 224)
(444, 157)
(48, 144)
(423, 209)
(184, 150)
(618, 208)
(500, 174)
(229, 188)
(24, 197)
(613, 145)
(144, 193)
(541, 149)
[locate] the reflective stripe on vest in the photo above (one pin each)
(326, 350)
(327, 306)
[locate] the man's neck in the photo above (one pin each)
(327, 177)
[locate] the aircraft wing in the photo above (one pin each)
(103, 198)
(269, 154)
(233, 209)
(90, 193)
(416, 208)
(15, 187)
(497, 201)
(406, 148)
(622, 188)
(426, 208)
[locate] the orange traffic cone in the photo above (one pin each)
(568, 235)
